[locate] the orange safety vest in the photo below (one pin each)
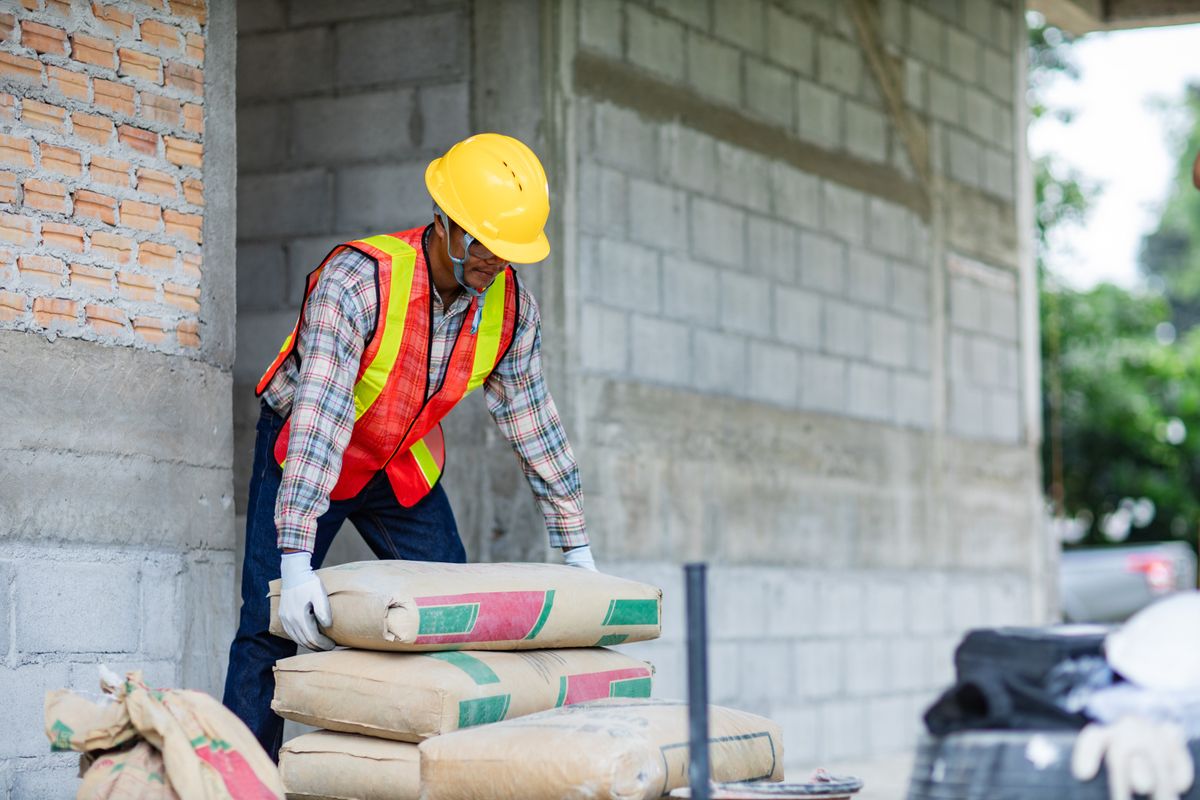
(396, 427)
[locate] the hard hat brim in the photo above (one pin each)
(513, 252)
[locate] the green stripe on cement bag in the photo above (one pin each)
(413, 696)
(416, 606)
(631, 749)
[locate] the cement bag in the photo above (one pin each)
(618, 749)
(209, 754)
(413, 696)
(413, 605)
(134, 774)
(342, 766)
(86, 723)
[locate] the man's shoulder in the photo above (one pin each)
(349, 264)
(356, 258)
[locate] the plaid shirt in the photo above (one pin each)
(338, 322)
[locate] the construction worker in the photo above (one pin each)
(393, 331)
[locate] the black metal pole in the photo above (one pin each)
(699, 772)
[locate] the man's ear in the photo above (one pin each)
(438, 227)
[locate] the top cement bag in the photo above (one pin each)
(422, 606)
(606, 750)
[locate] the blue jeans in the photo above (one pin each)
(425, 532)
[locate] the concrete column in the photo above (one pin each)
(1045, 554)
(497, 516)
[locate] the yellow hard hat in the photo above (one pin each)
(495, 188)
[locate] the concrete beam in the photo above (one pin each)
(757, 484)
(123, 501)
(1085, 16)
(73, 396)
(654, 99)
(114, 445)
(1073, 16)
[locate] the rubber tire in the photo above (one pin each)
(995, 765)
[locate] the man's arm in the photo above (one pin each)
(521, 404)
(338, 317)
(1196, 171)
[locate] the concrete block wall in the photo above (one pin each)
(846, 662)
(116, 296)
(102, 171)
(711, 268)
(984, 351)
(733, 271)
(799, 358)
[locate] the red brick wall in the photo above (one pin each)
(101, 170)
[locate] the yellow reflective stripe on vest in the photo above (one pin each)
(426, 462)
(487, 343)
(375, 376)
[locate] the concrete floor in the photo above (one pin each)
(883, 778)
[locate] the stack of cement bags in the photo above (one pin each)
(475, 648)
(504, 680)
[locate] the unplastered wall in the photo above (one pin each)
(802, 357)
(102, 171)
(116, 292)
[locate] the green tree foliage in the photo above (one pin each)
(1171, 254)
(1130, 418)
(1061, 193)
(1121, 405)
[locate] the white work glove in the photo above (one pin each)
(301, 599)
(1143, 756)
(580, 557)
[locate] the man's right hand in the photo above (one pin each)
(303, 602)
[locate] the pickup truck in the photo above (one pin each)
(1109, 584)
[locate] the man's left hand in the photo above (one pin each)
(580, 557)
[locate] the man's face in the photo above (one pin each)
(482, 265)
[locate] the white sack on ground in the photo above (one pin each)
(619, 749)
(420, 606)
(1158, 648)
(412, 696)
(343, 766)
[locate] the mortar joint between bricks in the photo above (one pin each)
(96, 72)
(85, 183)
(55, 139)
(73, 105)
(185, 23)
